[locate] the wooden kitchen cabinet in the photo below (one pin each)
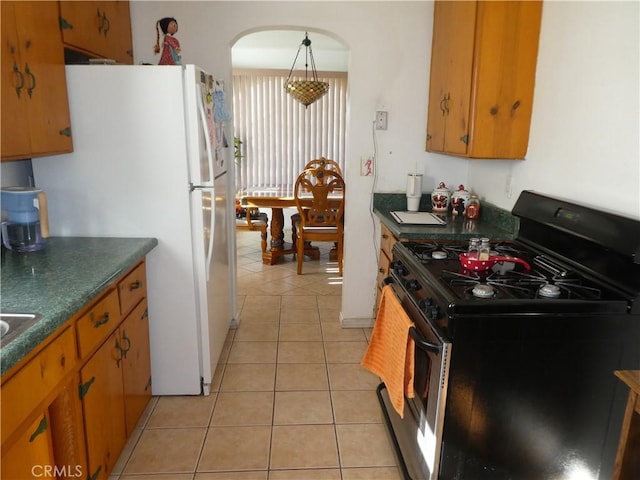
(132, 292)
(627, 464)
(116, 380)
(137, 365)
(483, 65)
(32, 452)
(387, 241)
(24, 392)
(94, 326)
(35, 111)
(99, 29)
(101, 391)
(81, 393)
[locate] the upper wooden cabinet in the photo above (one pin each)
(98, 29)
(35, 112)
(483, 64)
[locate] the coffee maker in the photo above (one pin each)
(25, 220)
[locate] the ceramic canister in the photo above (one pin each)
(440, 198)
(459, 200)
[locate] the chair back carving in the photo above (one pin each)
(325, 164)
(319, 196)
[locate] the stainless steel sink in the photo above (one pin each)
(13, 324)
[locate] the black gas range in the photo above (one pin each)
(520, 352)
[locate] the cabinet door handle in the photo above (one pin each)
(135, 285)
(42, 426)
(84, 387)
(103, 23)
(148, 385)
(444, 104)
(20, 76)
(106, 24)
(29, 73)
(122, 353)
(98, 21)
(101, 321)
(66, 132)
(126, 342)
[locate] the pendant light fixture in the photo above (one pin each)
(306, 91)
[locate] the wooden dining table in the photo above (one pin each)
(277, 199)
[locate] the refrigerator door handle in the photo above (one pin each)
(207, 139)
(211, 235)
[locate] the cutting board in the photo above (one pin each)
(418, 218)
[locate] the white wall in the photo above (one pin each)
(584, 135)
(584, 142)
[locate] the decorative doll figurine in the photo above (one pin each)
(170, 44)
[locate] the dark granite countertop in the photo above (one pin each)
(494, 223)
(58, 281)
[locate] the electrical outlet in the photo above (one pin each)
(508, 187)
(381, 120)
(366, 166)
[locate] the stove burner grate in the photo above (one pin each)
(530, 285)
(422, 250)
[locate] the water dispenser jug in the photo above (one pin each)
(25, 225)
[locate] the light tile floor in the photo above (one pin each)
(291, 401)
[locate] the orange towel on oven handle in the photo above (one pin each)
(391, 351)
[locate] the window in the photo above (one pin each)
(279, 136)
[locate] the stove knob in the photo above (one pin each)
(434, 312)
(430, 308)
(425, 304)
(399, 268)
(413, 285)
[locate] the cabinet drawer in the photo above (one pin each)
(22, 393)
(387, 240)
(98, 323)
(132, 288)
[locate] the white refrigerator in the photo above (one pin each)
(151, 159)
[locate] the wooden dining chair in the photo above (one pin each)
(326, 164)
(254, 220)
(319, 195)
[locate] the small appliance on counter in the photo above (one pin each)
(414, 191)
(25, 219)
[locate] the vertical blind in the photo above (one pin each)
(279, 136)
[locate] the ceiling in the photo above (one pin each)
(278, 48)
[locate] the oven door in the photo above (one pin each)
(417, 437)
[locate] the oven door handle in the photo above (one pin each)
(420, 342)
(429, 347)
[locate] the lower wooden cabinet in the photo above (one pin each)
(31, 456)
(136, 365)
(387, 241)
(69, 410)
(101, 391)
